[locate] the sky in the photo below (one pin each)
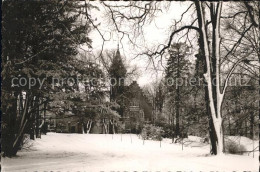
(155, 33)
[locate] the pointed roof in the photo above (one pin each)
(118, 51)
(117, 68)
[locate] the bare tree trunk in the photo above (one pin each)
(212, 132)
(107, 123)
(229, 126)
(245, 128)
(32, 128)
(105, 126)
(8, 133)
(113, 126)
(173, 126)
(89, 125)
(82, 128)
(213, 69)
(11, 144)
(114, 131)
(44, 127)
(177, 100)
(37, 111)
(252, 121)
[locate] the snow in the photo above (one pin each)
(96, 152)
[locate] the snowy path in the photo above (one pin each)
(77, 152)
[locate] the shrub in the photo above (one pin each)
(150, 132)
(26, 143)
(144, 134)
(234, 148)
(168, 131)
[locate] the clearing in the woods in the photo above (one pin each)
(96, 152)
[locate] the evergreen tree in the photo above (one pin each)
(176, 71)
(40, 40)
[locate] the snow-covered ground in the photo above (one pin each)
(77, 152)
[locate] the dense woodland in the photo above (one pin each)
(43, 42)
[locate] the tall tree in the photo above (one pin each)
(39, 41)
(176, 72)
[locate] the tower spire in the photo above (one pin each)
(117, 51)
